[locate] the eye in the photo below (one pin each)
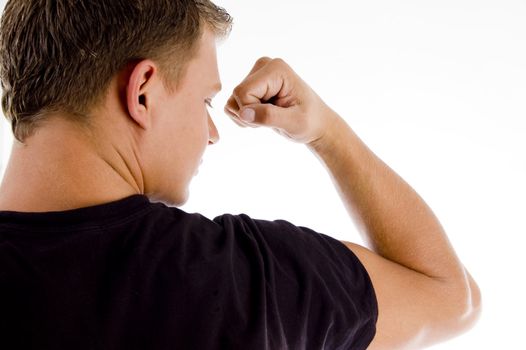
(208, 101)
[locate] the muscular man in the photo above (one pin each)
(107, 102)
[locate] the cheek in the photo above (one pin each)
(196, 133)
(205, 131)
(196, 123)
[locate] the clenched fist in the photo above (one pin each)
(273, 95)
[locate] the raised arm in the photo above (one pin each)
(424, 293)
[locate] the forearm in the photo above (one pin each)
(423, 293)
(396, 223)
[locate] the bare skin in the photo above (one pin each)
(425, 295)
(154, 147)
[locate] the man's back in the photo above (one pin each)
(134, 274)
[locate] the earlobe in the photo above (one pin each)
(138, 89)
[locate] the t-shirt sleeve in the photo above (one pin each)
(315, 291)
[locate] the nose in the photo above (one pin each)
(213, 134)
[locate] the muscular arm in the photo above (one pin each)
(425, 295)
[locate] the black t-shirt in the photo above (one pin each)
(132, 274)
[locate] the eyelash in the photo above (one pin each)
(209, 103)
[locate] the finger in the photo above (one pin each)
(232, 105)
(262, 85)
(260, 63)
(232, 110)
(234, 101)
(235, 118)
(267, 114)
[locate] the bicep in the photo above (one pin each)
(414, 310)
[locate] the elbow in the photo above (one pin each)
(466, 306)
(473, 305)
(460, 309)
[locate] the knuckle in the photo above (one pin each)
(266, 114)
(263, 60)
(232, 104)
(279, 61)
(238, 91)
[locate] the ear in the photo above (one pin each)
(140, 91)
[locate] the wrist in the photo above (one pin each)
(334, 124)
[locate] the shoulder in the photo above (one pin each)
(309, 284)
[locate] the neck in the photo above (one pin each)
(61, 168)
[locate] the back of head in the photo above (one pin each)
(60, 55)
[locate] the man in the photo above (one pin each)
(107, 101)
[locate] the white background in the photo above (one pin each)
(435, 88)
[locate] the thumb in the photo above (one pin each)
(266, 114)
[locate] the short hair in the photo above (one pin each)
(61, 55)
